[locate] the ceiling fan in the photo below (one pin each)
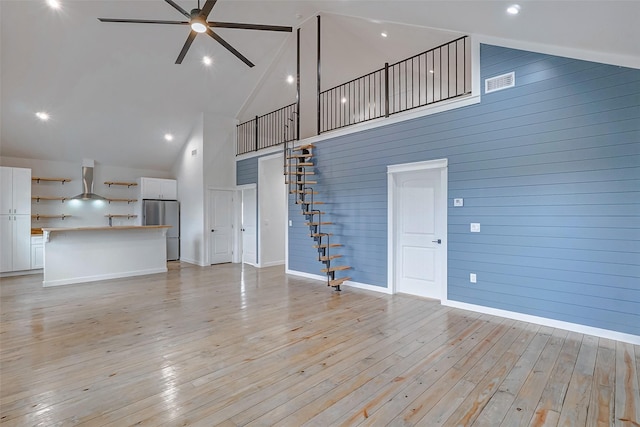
(199, 24)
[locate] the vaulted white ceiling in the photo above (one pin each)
(113, 90)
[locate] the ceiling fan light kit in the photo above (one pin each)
(199, 25)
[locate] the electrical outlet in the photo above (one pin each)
(475, 227)
(290, 223)
(472, 277)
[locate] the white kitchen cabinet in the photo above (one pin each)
(15, 194)
(158, 188)
(15, 219)
(15, 242)
(37, 252)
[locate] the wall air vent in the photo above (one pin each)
(503, 81)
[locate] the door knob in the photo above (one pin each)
(242, 229)
(212, 230)
(439, 241)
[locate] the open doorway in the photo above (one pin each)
(272, 211)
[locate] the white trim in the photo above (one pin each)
(418, 166)
(194, 262)
(305, 275)
(396, 118)
(272, 263)
(383, 121)
(77, 280)
(349, 283)
(392, 170)
(544, 321)
(367, 287)
(21, 272)
(566, 52)
(260, 264)
(260, 153)
(208, 240)
(239, 188)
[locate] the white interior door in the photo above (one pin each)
(221, 221)
(420, 228)
(249, 226)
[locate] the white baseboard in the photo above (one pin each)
(347, 283)
(194, 262)
(544, 321)
(271, 264)
(21, 273)
(85, 279)
(368, 287)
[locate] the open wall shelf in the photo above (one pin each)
(38, 198)
(127, 184)
(123, 200)
(38, 217)
(39, 179)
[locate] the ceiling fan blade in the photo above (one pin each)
(250, 26)
(229, 47)
(142, 21)
(187, 45)
(178, 8)
(206, 9)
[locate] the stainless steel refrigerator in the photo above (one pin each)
(164, 212)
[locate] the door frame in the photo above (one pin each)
(239, 240)
(392, 173)
(261, 160)
(234, 221)
(235, 247)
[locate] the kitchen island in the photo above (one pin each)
(87, 254)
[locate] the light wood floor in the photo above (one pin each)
(227, 346)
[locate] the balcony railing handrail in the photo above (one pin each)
(437, 74)
(427, 51)
(402, 86)
(256, 137)
(353, 80)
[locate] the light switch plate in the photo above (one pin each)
(290, 223)
(472, 277)
(458, 202)
(475, 227)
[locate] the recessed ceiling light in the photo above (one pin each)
(343, 100)
(206, 60)
(431, 71)
(385, 35)
(42, 116)
(290, 79)
(53, 4)
(513, 9)
(168, 137)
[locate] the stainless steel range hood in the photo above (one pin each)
(87, 183)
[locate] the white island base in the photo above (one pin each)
(87, 254)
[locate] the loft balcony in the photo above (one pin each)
(439, 74)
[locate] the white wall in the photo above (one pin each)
(219, 164)
(84, 213)
(271, 211)
(188, 170)
(219, 152)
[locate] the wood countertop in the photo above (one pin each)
(115, 227)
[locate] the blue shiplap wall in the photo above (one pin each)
(550, 168)
(247, 171)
